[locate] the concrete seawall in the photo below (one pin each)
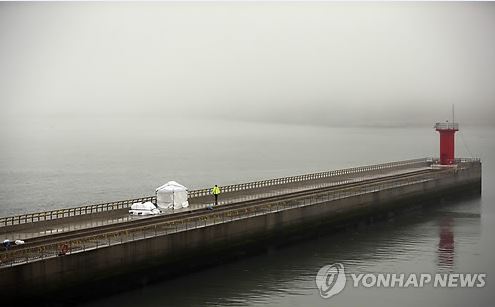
(46, 223)
(177, 252)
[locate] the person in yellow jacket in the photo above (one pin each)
(215, 191)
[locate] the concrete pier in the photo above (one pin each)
(248, 218)
(33, 225)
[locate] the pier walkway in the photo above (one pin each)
(28, 226)
(100, 246)
(81, 229)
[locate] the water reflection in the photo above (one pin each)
(408, 243)
(446, 244)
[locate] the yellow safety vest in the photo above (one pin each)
(216, 190)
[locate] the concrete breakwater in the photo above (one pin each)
(194, 239)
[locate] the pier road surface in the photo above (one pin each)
(46, 228)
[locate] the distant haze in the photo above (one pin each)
(384, 64)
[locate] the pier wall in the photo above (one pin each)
(119, 209)
(182, 251)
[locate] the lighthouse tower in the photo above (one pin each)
(447, 150)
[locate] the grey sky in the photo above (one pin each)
(323, 63)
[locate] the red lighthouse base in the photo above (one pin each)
(447, 151)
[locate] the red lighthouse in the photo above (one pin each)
(447, 150)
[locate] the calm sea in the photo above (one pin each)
(48, 166)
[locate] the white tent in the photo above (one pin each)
(144, 209)
(172, 195)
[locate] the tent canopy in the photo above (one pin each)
(172, 195)
(171, 186)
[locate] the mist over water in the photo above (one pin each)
(285, 277)
(334, 64)
(73, 163)
(107, 101)
(60, 171)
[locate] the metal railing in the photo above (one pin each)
(456, 160)
(15, 257)
(446, 126)
(68, 212)
(96, 208)
(466, 160)
(299, 178)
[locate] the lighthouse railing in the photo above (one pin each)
(447, 126)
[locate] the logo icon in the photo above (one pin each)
(330, 280)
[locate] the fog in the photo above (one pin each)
(335, 64)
